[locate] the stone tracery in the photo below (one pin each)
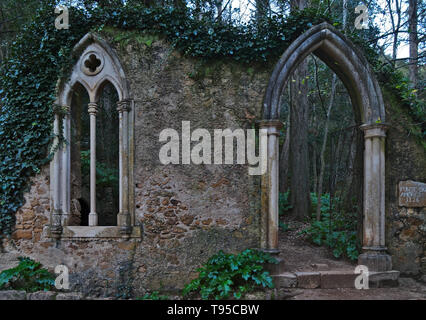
(97, 65)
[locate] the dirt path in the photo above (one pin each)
(408, 289)
(301, 255)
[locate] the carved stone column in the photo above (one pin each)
(123, 218)
(93, 216)
(66, 166)
(374, 251)
(270, 189)
(56, 223)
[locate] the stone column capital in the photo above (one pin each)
(93, 108)
(123, 106)
(273, 126)
(374, 130)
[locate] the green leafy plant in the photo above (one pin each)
(283, 207)
(283, 226)
(326, 206)
(284, 202)
(104, 174)
(226, 275)
(28, 276)
(336, 230)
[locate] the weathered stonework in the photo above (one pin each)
(190, 212)
(187, 212)
(406, 226)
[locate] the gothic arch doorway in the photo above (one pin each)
(353, 69)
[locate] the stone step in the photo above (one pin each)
(320, 266)
(275, 268)
(332, 279)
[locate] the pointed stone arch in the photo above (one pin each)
(353, 69)
(111, 70)
(343, 58)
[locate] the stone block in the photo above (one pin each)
(308, 280)
(384, 279)
(320, 266)
(387, 275)
(13, 295)
(69, 296)
(42, 295)
(338, 279)
(22, 234)
(285, 280)
(275, 268)
(377, 262)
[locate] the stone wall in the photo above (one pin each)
(405, 226)
(189, 212)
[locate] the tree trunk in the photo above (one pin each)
(413, 41)
(299, 154)
(314, 167)
(262, 9)
(219, 4)
(324, 144)
(395, 25)
(300, 197)
(353, 196)
(284, 159)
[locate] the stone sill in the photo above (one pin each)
(98, 232)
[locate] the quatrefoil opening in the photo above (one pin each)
(92, 64)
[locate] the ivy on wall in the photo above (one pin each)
(41, 55)
(27, 81)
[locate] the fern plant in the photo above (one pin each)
(28, 275)
(226, 275)
(337, 229)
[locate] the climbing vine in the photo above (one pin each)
(42, 54)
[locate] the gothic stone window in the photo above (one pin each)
(92, 173)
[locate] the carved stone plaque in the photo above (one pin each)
(412, 194)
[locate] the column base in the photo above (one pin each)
(125, 231)
(123, 219)
(272, 252)
(376, 261)
(56, 224)
(93, 219)
(56, 232)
